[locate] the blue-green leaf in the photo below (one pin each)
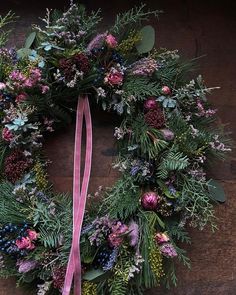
(216, 191)
(148, 40)
(30, 40)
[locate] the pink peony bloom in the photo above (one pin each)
(32, 234)
(161, 238)
(21, 97)
(166, 90)
(111, 41)
(2, 86)
(114, 77)
(44, 89)
(25, 243)
(116, 237)
(7, 134)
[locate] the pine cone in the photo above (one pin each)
(155, 118)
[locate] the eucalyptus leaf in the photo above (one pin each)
(30, 40)
(216, 191)
(93, 274)
(148, 40)
(23, 53)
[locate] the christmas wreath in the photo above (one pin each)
(131, 233)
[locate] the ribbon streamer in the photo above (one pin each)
(79, 194)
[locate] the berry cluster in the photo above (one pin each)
(9, 233)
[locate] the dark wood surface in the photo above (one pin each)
(196, 28)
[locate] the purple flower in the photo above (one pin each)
(26, 266)
(144, 67)
(112, 260)
(134, 170)
(168, 250)
(134, 233)
(96, 41)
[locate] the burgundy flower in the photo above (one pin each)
(15, 165)
(155, 118)
(82, 62)
(59, 277)
(7, 134)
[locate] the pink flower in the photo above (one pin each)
(114, 77)
(32, 234)
(161, 238)
(111, 41)
(167, 134)
(44, 89)
(166, 90)
(2, 86)
(35, 74)
(7, 134)
(21, 97)
(17, 76)
(25, 243)
(28, 83)
(116, 237)
(150, 103)
(168, 250)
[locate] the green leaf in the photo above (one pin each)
(161, 223)
(93, 274)
(216, 191)
(148, 40)
(30, 40)
(23, 52)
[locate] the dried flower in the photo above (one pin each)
(166, 90)
(26, 265)
(114, 77)
(58, 276)
(167, 134)
(134, 233)
(144, 67)
(111, 41)
(96, 42)
(116, 237)
(15, 165)
(2, 86)
(32, 234)
(161, 238)
(155, 118)
(7, 135)
(168, 250)
(25, 243)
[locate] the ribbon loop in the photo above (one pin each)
(79, 194)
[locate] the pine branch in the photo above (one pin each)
(132, 17)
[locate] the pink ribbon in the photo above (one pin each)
(79, 195)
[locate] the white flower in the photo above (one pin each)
(101, 92)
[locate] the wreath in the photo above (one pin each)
(131, 234)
